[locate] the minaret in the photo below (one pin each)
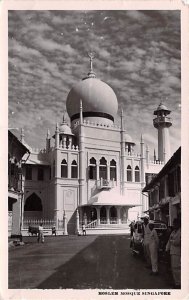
(122, 156)
(142, 179)
(162, 123)
(48, 141)
(81, 157)
(147, 155)
(56, 173)
(57, 136)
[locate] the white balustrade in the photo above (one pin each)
(47, 224)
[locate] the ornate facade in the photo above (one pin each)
(90, 171)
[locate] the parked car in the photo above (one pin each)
(136, 244)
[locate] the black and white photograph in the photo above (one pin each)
(94, 150)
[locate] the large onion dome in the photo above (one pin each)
(99, 101)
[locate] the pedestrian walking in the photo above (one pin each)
(146, 235)
(131, 225)
(174, 246)
(40, 237)
(84, 229)
(153, 247)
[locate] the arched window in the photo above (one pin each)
(33, 203)
(64, 169)
(113, 173)
(129, 173)
(103, 168)
(137, 174)
(74, 169)
(92, 168)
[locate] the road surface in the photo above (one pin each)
(79, 262)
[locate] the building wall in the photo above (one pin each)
(165, 192)
(98, 142)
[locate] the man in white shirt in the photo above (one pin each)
(147, 234)
(40, 234)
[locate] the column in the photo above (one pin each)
(85, 219)
(97, 171)
(69, 165)
(108, 171)
(56, 205)
(65, 232)
(77, 222)
(119, 215)
(98, 215)
(56, 217)
(126, 214)
(133, 171)
(108, 214)
(70, 142)
(64, 142)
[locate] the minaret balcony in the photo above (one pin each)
(162, 120)
(104, 184)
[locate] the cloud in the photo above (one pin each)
(137, 54)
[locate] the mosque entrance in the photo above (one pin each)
(113, 215)
(93, 214)
(103, 215)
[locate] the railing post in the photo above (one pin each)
(65, 232)
(77, 222)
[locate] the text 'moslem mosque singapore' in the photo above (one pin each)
(89, 171)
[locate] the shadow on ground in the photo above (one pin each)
(106, 263)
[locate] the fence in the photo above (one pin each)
(47, 224)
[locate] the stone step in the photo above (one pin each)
(105, 231)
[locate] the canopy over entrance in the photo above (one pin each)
(111, 198)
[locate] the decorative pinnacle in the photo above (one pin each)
(48, 134)
(81, 111)
(91, 73)
(141, 139)
(64, 118)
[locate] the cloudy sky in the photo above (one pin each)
(137, 54)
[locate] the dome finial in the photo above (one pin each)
(64, 118)
(91, 73)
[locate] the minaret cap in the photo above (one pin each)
(162, 107)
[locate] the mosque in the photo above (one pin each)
(89, 171)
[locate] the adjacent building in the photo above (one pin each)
(16, 152)
(164, 191)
